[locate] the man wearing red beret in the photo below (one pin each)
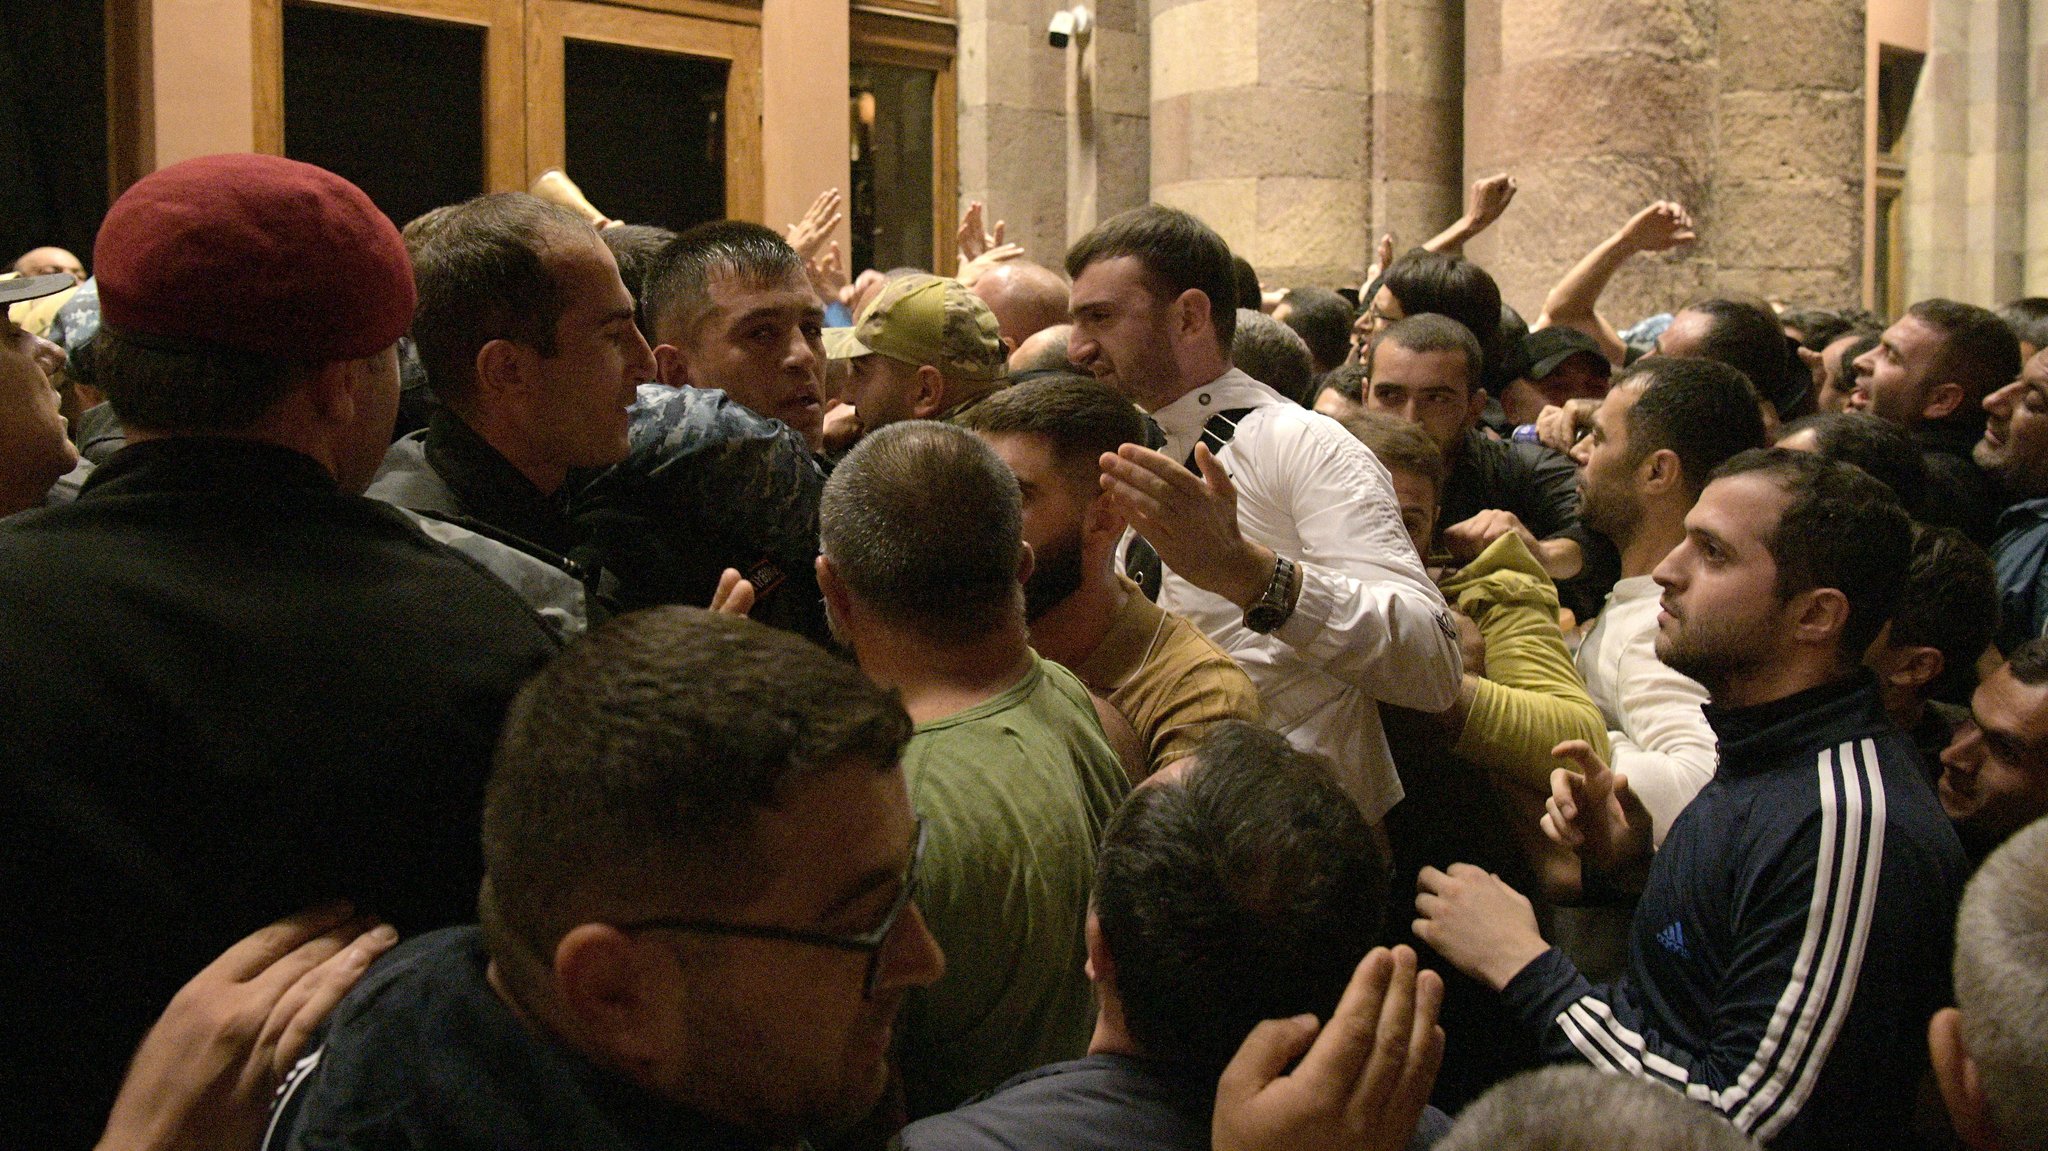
(233, 686)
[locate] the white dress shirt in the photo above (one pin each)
(1660, 735)
(1369, 625)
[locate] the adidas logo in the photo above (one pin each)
(1672, 939)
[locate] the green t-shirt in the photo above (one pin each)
(1014, 793)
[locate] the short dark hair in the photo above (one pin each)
(1399, 445)
(1817, 327)
(1347, 380)
(1453, 286)
(1880, 447)
(1323, 320)
(1248, 889)
(2028, 319)
(1178, 252)
(631, 768)
(1584, 1109)
(634, 247)
(2029, 662)
(1270, 352)
(1747, 336)
(1435, 332)
(1701, 410)
(482, 274)
(924, 522)
(1840, 529)
(1249, 294)
(1978, 351)
(1079, 416)
(1950, 604)
(157, 387)
(678, 283)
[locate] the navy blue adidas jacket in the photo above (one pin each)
(1793, 937)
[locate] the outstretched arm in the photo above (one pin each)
(1484, 204)
(1574, 301)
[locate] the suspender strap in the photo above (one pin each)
(1216, 433)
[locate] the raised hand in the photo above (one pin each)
(808, 235)
(1487, 199)
(973, 240)
(1592, 811)
(1365, 1077)
(1661, 226)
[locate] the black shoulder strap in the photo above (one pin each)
(1216, 433)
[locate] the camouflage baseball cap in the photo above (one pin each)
(925, 319)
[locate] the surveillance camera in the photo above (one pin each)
(1067, 25)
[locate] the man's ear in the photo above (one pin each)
(1101, 966)
(500, 367)
(1192, 312)
(1955, 1073)
(611, 989)
(1819, 615)
(1942, 399)
(1475, 407)
(837, 599)
(1100, 518)
(1026, 563)
(928, 395)
(331, 389)
(1660, 473)
(671, 368)
(1914, 667)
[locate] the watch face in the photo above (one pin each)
(1264, 617)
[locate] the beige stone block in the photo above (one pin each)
(1838, 287)
(1482, 147)
(1026, 177)
(972, 150)
(1772, 135)
(1171, 140)
(1561, 108)
(1205, 45)
(1118, 15)
(1648, 287)
(1314, 44)
(1123, 174)
(1123, 74)
(1022, 71)
(970, 64)
(1264, 131)
(1411, 49)
(1670, 29)
(1772, 44)
(1311, 231)
(1417, 139)
(1231, 207)
(1787, 223)
(1412, 211)
(1482, 39)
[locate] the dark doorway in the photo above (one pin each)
(394, 104)
(645, 132)
(53, 126)
(892, 166)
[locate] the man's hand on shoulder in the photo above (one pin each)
(1363, 1082)
(1190, 520)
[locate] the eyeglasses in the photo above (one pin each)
(868, 942)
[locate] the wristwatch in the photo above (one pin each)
(1277, 603)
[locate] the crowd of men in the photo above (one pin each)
(522, 681)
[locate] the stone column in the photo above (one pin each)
(1597, 108)
(1012, 121)
(1787, 218)
(1260, 125)
(1418, 101)
(1966, 186)
(2035, 281)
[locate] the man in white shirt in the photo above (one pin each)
(1278, 530)
(1663, 428)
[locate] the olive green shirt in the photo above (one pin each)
(1014, 793)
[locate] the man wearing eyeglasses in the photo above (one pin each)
(697, 926)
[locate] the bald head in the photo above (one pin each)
(50, 261)
(1027, 298)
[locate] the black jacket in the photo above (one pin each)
(1794, 935)
(229, 691)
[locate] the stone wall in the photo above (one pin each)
(1967, 197)
(1750, 112)
(1013, 125)
(1260, 126)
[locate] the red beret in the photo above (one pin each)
(256, 253)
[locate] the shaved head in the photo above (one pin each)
(1027, 298)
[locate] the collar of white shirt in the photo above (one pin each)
(1182, 420)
